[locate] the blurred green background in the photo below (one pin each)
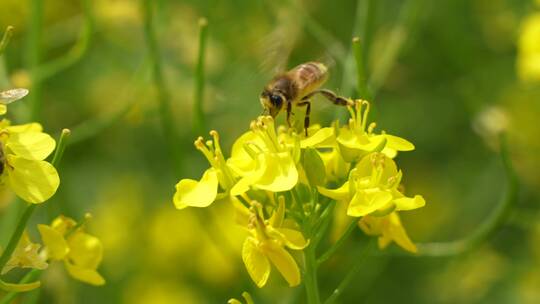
(438, 67)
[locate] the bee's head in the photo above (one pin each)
(272, 102)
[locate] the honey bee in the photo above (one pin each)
(296, 87)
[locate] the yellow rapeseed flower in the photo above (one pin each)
(66, 241)
(357, 138)
(23, 149)
(373, 188)
(528, 59)
(25, 255)
(267, 244)
(389, 229)
(202, 193)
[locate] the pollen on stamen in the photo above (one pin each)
(199, 142)
(371, 127)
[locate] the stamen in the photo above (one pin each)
(365, 116)
(371, 127)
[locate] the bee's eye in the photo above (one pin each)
(276, 100)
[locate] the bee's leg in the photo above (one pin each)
(307, 104)
(289, 110)
(335, 99)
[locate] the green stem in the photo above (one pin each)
(321, 225)
(30, 276)
(360, 259)
(199, 119)
(34, 57)
(490, 225)
(61, 147)
(5, 39)
(361, 82)
(49, 69)
(325, 256)
(94, 126)
(21, 225)
(165, 108)
(399, 34)
(310, 276)
(15, 237)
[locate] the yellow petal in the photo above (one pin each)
(90, 276)
(10, 287)
(3, 109)
(31, 145)
(280, 173)
(407, 203)
(284, 262)
(190, 193)
(55, 243)
(279, 214)
(256, 262)
(324, 137)
(30, 127)
(398, 234)
(364, 203)
(85, 250)
(293, 238)
(339, 194)
(397, 143)
(25, 255)
(35, 181)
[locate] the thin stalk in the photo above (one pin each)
(325, 256)
(360, 259)
(490, 225)
(79, 49)
(25, 217)
(165, 108)
(94, 126)
(397, 38)
(33, 50)
(199, 122)
(310, 276)
(30, 276)
(5, 39)
(361, 80)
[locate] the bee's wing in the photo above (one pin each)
(9, 96)
(277, 46)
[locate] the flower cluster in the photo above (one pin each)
(279, 180)
(64, 240)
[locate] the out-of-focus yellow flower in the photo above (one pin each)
(202, 193)
(373, 188)
(25, 255)
(247, 297)
(389, 229)
(23, 149)
(357, 139)
(65, 240)
(528, 61)
(267, 244)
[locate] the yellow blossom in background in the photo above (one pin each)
(528, 61)
(26, 255)
(247, 297)
(66, 241)
(23, 149)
